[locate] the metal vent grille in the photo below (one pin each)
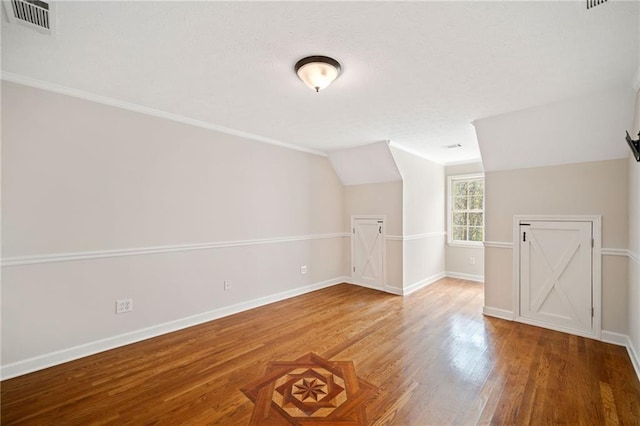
(452, 146)
(34, 14)
(594, 3)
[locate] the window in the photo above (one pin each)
(466, 209)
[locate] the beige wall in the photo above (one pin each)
(82, 177)
(634, 186)
(383, 199)
(375, 198)
(423, 194)
(415, 220)
(634, 241)
(465, 262)
(423, 219)
(596, 188)
(457, 258)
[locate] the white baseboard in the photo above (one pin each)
(497, 313)
(387, 288)
(423, 283)
(623, 340)
(614, 338)
(400, 291)
(634, 355)
(58, 357)
(468, 277)
(393, 290)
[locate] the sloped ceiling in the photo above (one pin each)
(414, 73)
(371, 163)
(587, 128)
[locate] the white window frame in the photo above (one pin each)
(450, 241)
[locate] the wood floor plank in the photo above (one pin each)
(432, 357)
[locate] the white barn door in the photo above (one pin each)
(368, 251)
(556, 285)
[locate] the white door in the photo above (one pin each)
(556, 289)
(368, 252)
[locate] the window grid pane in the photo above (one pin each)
(467, 215)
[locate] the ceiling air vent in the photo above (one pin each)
(35, 14)
(594, 3)
(452, 146)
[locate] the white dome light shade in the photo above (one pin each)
(317, 72)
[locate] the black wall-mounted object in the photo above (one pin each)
(594, 3)
(635, 146)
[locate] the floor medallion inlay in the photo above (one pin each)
(307, 391)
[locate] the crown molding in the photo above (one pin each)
(92, 97)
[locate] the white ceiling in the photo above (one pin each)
(414, 73)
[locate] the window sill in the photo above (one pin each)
(466, 244)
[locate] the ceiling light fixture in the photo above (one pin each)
(317, 72)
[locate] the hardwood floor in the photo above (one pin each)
(432, 356)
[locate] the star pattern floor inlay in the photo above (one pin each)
(307, 391)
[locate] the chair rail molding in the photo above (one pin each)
(499, 244)
(85, 255)
(416, 236)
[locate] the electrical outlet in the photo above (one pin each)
(303, 269)
(124, 305)
(227, 285)
(472, 260)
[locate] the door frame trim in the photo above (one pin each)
(383, 218)
(596, 270)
